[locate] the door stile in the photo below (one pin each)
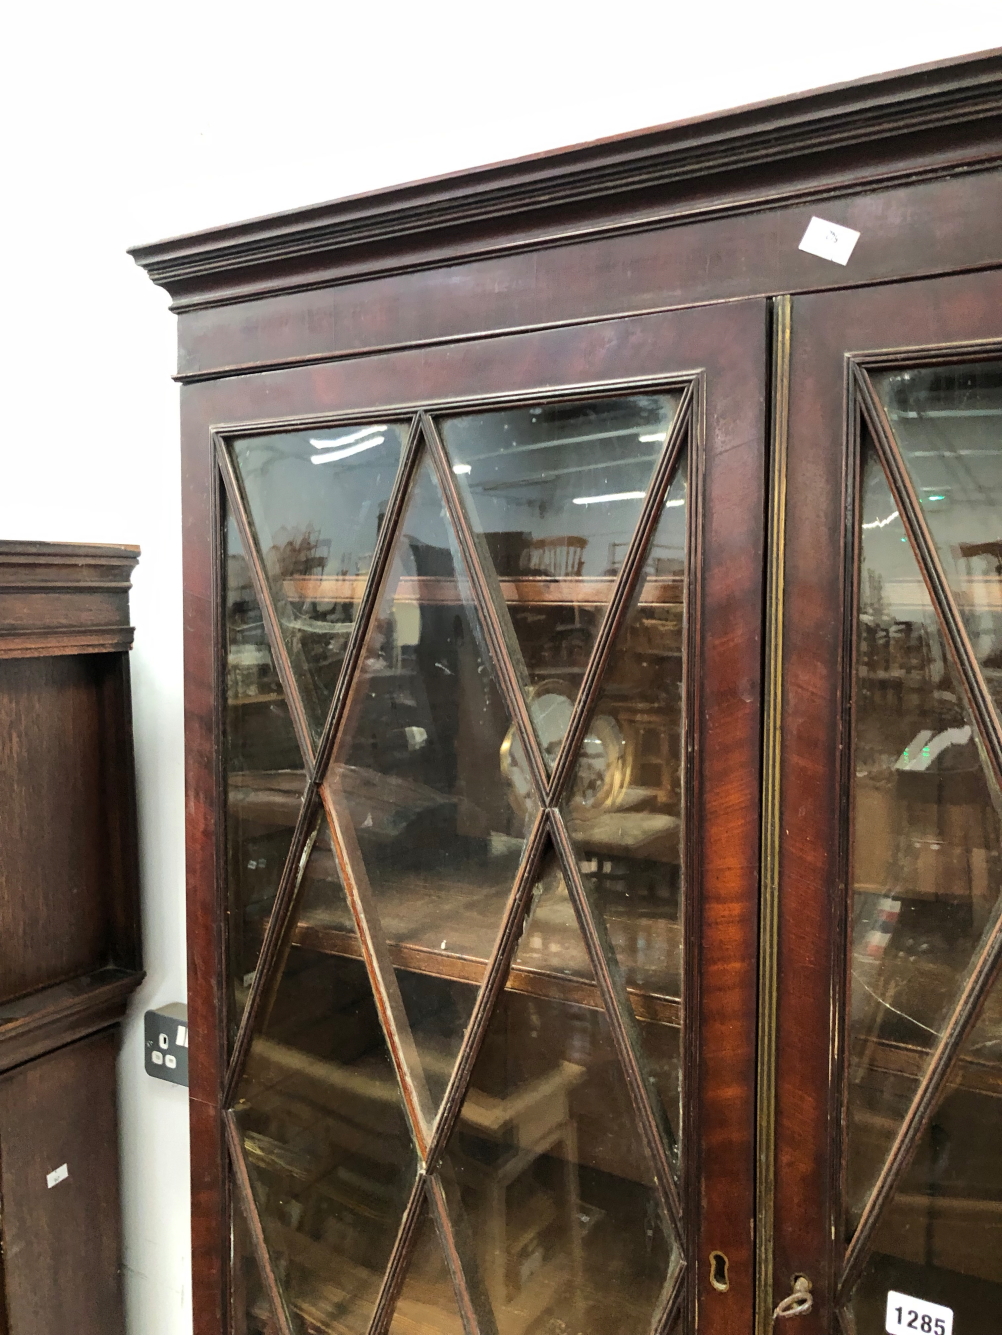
(724, 832)
(772, 734)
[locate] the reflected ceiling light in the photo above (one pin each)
(882, 523)
(462, 469)
(346, 454)
(613, 496)
(647, 440)
(670, 505)
(346, 440)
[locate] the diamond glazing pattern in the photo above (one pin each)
(421, 891)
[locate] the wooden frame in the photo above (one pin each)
(318, 311)
(70, 939)
(830, 392)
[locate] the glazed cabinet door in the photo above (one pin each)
(488, 728)
(888, 1099)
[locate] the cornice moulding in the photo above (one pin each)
(778, 134)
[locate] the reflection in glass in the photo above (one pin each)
(427, 1301)
(316, 501)
(554, 492)
(940, 1237)
(417, 780)
(265, 779)
(624, 809)
(926, 863)
(947, 421)
(252, 1314)
(324, 1132)
(548, 1163)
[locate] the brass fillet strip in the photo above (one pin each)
(772, 720)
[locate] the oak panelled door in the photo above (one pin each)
(491, 753)
(887, 1193)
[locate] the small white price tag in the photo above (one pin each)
(829, 240)
(914, 1316)
(57, 1175)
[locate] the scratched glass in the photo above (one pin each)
(940, 1236)
(926, 869)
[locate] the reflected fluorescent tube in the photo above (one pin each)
(462, 469)
(612, 496)
(347, 440)
(344, 454)
(650, 440)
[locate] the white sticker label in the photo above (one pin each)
(57, 1175)
(914, 1316)
(829, 240)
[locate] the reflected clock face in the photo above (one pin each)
(600, 773)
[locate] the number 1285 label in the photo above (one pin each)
(914, 1316)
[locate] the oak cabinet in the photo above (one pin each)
(594, 647)
(69, 929)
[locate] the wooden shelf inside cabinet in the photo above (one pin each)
(69, 927)
(658, 591)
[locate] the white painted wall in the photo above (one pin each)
(125, 122)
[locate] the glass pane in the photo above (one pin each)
(940, 1237)
(554, 492)
(316, 500)
(417, 776)
(948, 423)
(324, 1131)
(427, 1301)
(547, 1157)
(624, 806)
(252, 1314)
(265, 779)
(926, 864)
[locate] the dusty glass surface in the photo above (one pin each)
(427, 1304)
(316, 501)
(624, 806)
(264, 774)
(555, 1187)
(947, 421)
(554, 493)
(940, 1237)
(430, 825)
(926, 862)
(325, 1135)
